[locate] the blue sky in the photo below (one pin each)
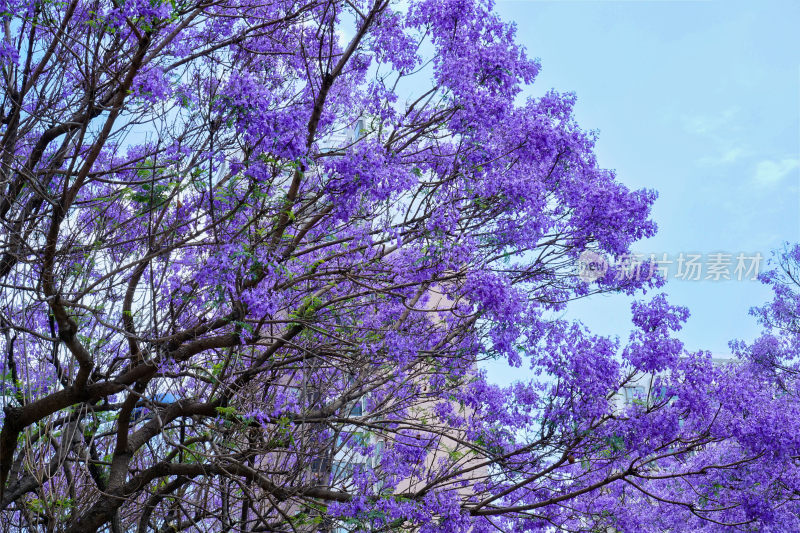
(699, 100)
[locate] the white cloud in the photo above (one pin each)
(710, 125)
(770, 172)
(727, 157)
(720, 134)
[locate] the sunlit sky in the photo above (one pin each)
(699, 100)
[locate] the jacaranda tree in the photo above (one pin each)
(253, 252)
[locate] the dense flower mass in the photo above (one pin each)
(254, 253)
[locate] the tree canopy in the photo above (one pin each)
(254, 252)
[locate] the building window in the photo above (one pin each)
(358, 408)
(633, 393)
(320, 464)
